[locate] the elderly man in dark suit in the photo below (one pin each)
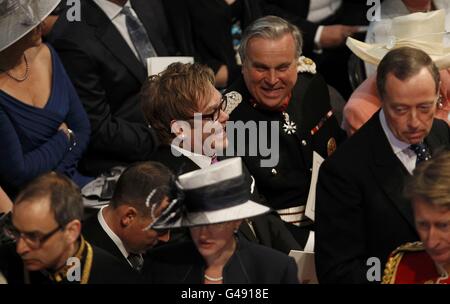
(360, 211)
(105, 56)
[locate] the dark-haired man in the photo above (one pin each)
(360, 211)
(122, 227)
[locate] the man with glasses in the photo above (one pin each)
(45, 227)
(123, 228)
(189, 117)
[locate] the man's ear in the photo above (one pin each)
(73, 231)
(128, 215)
(180, 128)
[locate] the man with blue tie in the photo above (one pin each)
(360, 210)
(105, 56)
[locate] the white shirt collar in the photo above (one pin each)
(111, 233)
(112, 10)
(200, 160)
(397, 145)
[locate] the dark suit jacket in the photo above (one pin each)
(95, 235)
(204, 29)
(286, 184)
(360, 211)
(352, 12)
(108, 78)
(250, 264)
(106, 269)
(269, 228)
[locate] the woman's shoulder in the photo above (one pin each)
(257, 251)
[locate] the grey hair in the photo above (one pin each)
(273, 28)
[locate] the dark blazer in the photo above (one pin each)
(352, 12)
(108, 78)
(250, 264)
(286, 184)
(204, 28)
(269, 228)
(95, 235)
(360, 211)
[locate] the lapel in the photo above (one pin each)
(247, 232)
(433, 141)
(388, 170)
(100, 236)
(149, 12)
(178, 164)
(112, 40)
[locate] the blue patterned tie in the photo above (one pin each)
(422, 152)
(138, 36)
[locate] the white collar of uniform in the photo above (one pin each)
(398, 146)
(200, 160)
(111, 9)
(111, 233)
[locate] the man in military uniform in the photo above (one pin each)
(45, 225)
(427, 261)
(272, 91)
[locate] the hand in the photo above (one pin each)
(63, 127)
(335, 35)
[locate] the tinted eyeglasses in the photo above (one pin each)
(34, 240)
(214, 116)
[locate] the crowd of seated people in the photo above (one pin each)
(219, 155)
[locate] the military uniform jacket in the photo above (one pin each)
(286, 184)
(411, 264)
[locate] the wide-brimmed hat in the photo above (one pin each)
(19, 17)
(424, 31)
(216, 194)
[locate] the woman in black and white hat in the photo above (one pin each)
(216, 200)
(43, 126)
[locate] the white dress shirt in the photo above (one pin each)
(400, 148)
(113, 11)
(200, 160)
(318, 11)
(112, 235)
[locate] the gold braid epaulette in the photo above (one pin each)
(390, 271)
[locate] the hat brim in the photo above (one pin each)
(373, 54)
(242, 211)
(13, 29)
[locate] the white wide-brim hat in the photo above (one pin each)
(424, 31)
(216, 194)
(19, 17)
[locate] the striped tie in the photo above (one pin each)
(138, 36)
(136, 260)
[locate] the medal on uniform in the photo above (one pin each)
(331, 146)
(289, 127)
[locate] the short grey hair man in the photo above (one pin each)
(273, 28)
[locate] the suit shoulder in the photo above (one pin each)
(106, 268)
